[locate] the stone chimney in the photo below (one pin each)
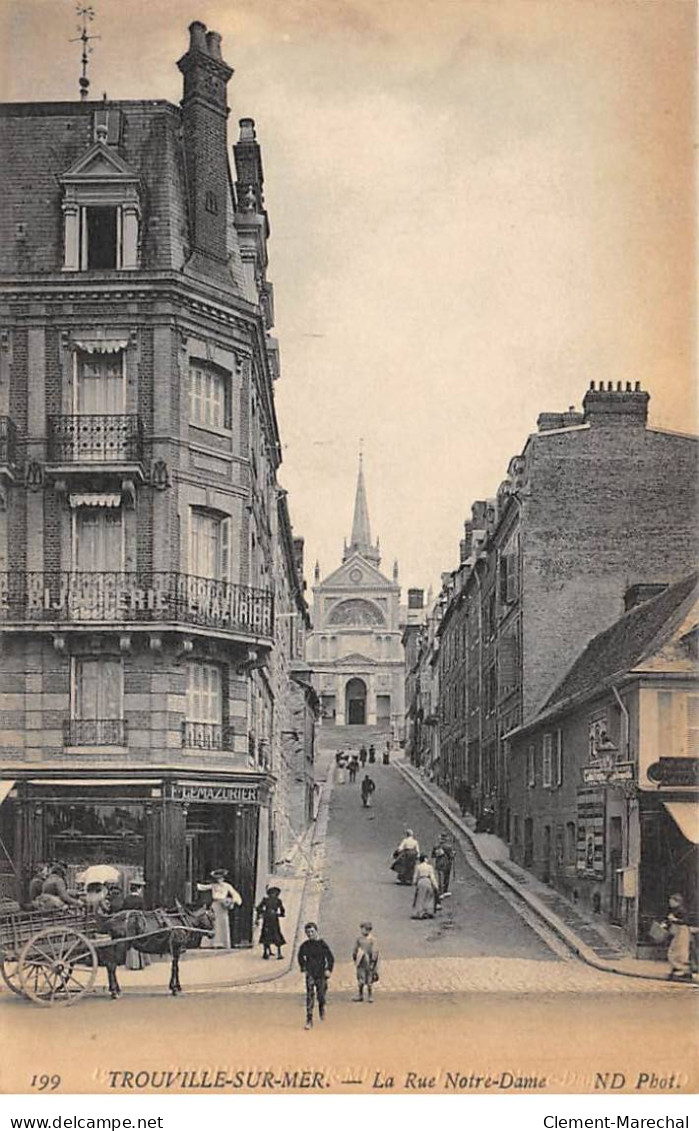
(552, 421)
(251, 221)
(616, 407)
(204, 116)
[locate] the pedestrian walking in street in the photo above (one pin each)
(405, 858)
(224, 898)
(386, 757)
(341, 768)
(363, 756)
(680, 936)
(463, 797)
(426, 890)
(366, 961)
(372, 754)
(443, 857)
(269, 911)
(367, 787)
(316, 962)
(353, 768)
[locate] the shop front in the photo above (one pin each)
(169, 832)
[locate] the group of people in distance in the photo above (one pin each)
(430, 877)
(348, 766)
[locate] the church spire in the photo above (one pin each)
(360, 542)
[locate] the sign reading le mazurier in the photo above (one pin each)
(224, 794)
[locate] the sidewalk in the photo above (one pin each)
(301, 881)
(594, 942)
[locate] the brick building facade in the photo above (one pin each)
(139, 526)
(597, 501)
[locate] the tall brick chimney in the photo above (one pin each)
(613, 407)
(204, 116)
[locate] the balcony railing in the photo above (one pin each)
(8, 443)
(207, 736)
(129, 599)
(95, 439)
(95, 732)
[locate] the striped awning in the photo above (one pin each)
(93, 499)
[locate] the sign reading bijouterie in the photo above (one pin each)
(133, 598)
(219, 793)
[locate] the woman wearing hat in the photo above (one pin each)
(224, 898)
(270, 910)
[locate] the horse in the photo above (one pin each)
(152, 932)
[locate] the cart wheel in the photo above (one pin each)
(9, 971)
(57, 967)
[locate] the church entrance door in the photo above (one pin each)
(356, 702)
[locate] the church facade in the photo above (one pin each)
(355, 648)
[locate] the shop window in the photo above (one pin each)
(209, 545)
(209, 396)
(547, 762)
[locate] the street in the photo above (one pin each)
(475, 991)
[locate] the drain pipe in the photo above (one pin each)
(626, 726)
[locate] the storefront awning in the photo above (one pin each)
(686, 816)
(5, 787)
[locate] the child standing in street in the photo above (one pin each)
(366, 961)
(316, 962)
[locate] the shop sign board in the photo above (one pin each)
(675, 772)
(216, 793)
(599, 775)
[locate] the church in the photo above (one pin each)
(355, 649)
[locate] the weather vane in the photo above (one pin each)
(86, 14)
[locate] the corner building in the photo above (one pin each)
(138, 499)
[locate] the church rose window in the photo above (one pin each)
(355, 612)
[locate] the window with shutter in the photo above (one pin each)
(209, 545)
(559, 757)
(209, 395)
(204, 702)
(97, 689)
(547, 762)
(99, 540)
(531, 766)
(693, 726)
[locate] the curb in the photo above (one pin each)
(571, 940)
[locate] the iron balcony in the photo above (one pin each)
(94, 442)
(135, 600)
(207, 736)
(95, 732)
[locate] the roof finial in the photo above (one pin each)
(85, 13)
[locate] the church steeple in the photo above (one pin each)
(360, 541)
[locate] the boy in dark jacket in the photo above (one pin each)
(316, 962)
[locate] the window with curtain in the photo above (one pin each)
(100, 384)
(208, 400)
(99, 541)
(209, 545)
(98, 689)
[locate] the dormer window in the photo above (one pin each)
(101, 212)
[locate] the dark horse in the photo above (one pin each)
(153, 932)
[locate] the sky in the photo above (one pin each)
(477, 208)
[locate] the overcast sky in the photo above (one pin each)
(477, 207)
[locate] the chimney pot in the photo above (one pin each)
(592, 384)
(213, 43)
(247, 129)
(628, 386)
(610, 386)
(197, 36)
(618, 386)
(638, 386)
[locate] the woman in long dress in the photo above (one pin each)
(405, 858)
(426, 890)
(270, 910)
(224, 898)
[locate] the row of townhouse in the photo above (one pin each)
(597, 517)
(151, 598)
